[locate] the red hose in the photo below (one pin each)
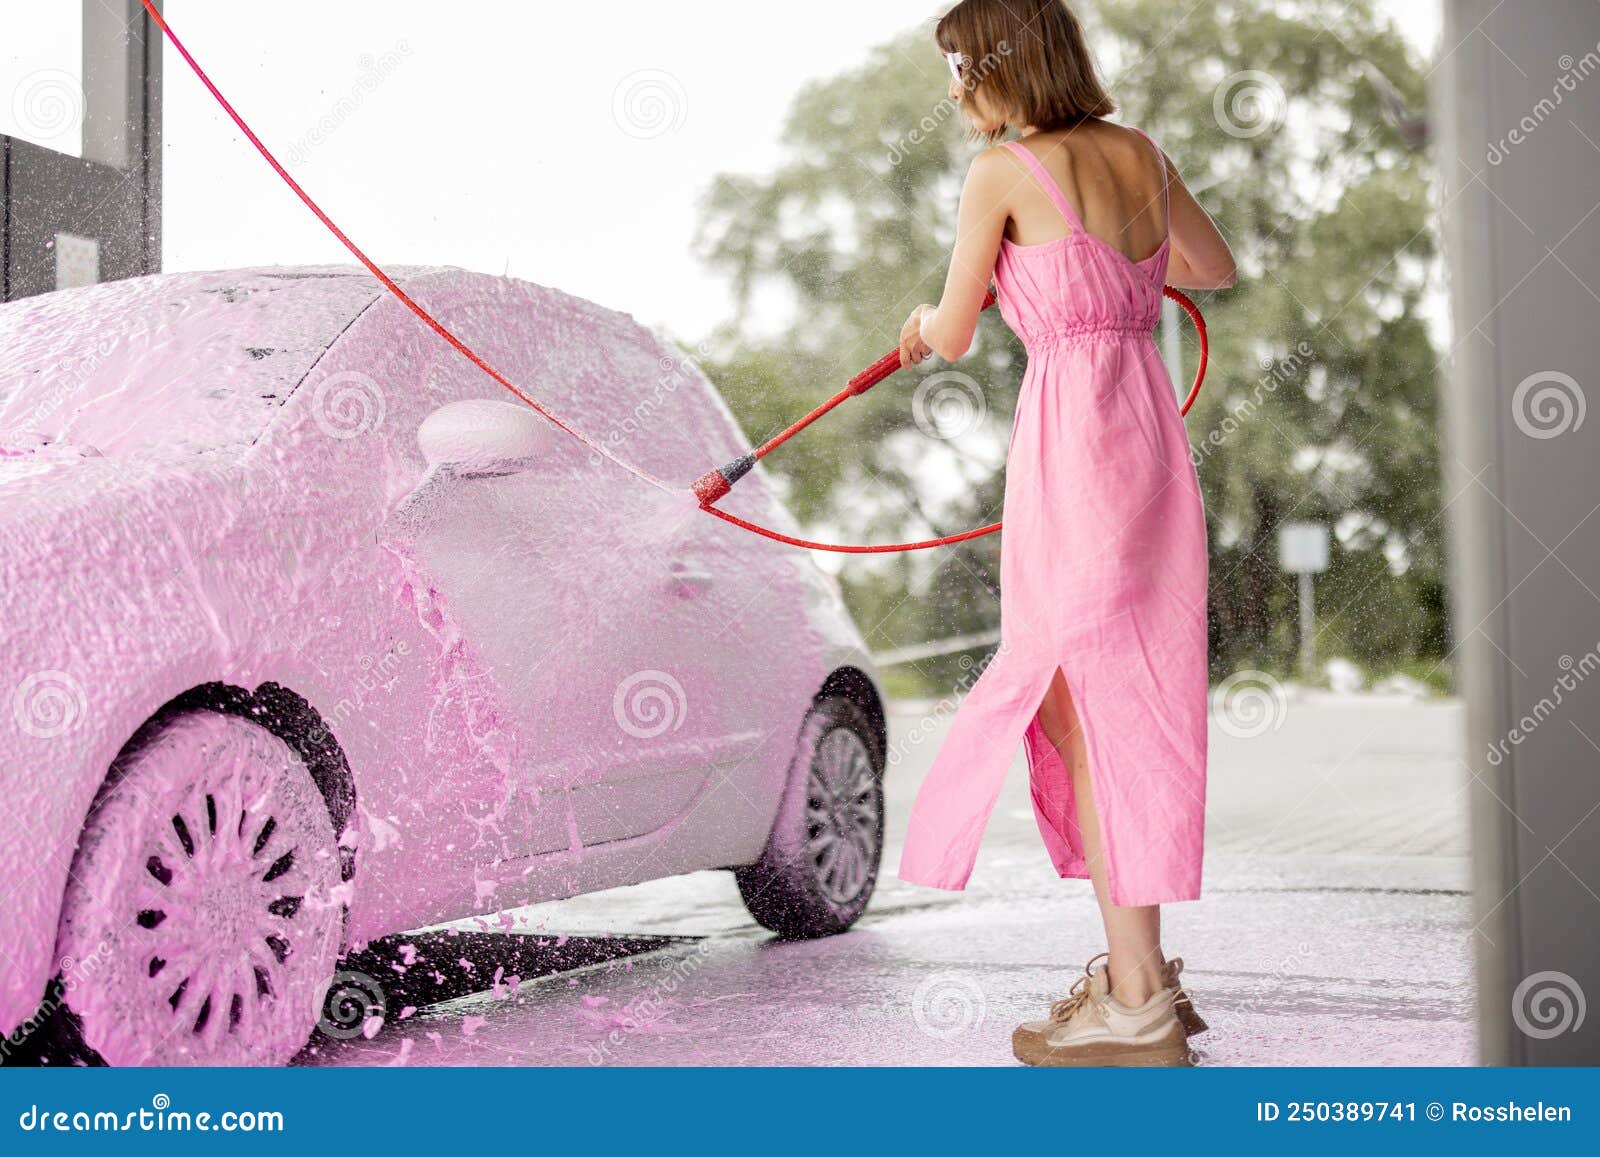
(713, 485)
(717, 483)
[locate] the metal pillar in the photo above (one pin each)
(1517, 108)
(68, 220)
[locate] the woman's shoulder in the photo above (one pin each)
(996, 156)
(1136, 137)
(1061, 148)
(994, 168)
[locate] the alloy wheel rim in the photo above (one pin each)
(843, 816)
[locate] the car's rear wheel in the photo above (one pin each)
(821, 861)
(203, 917)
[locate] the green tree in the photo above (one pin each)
(1320, 402)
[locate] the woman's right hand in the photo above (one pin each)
(913, 350)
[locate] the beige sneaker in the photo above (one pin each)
(1091, 1027)
(1189, 1016)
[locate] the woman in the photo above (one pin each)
(1101, 670)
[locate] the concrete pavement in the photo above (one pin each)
(1335, 928)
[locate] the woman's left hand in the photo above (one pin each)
(913, 350)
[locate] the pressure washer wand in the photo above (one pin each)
(715, 484)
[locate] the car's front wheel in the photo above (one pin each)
(203, 919)
(821, 861)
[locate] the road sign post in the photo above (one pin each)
(1303, 551)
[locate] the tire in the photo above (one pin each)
(203, 917)
(821, 861)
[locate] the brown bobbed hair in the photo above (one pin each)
(1030, 59)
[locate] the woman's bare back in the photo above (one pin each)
(1112, 176)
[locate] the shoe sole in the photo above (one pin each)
(1171, 1050)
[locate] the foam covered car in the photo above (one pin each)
(313, 634)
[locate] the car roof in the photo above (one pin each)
(176, 361)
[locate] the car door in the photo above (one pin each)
(544, 584)
(741, 642)
(584, 593)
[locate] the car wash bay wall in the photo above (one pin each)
(76, 219)
(1517, 122)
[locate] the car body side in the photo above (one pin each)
(131, 582)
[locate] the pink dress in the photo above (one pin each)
(1102, 572)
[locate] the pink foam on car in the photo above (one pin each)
(543, 681)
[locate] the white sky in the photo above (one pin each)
(494, 141)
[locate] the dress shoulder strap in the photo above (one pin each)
(1045, 181)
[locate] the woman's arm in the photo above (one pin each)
(947, 329)
(1200, 257)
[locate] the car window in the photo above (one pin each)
(664, 415)
(597, 370)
